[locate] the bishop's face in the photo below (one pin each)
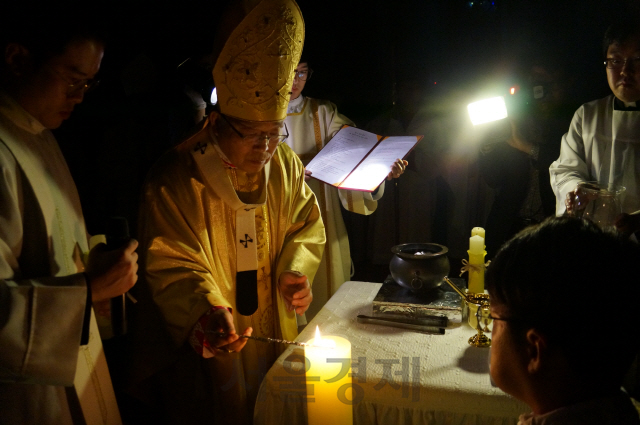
(624, 81)
(249, 145)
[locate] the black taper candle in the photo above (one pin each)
(117, 236)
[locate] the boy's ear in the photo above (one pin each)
(537, 350)
(17, 58)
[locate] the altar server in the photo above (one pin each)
(603, 142)
(52, 367)
(311, 124)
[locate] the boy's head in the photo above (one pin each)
(564, 298)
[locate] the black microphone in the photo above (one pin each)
(118, 236)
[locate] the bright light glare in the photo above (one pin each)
(366, 175)
(513, 90)
(487, 110)
(214, 96)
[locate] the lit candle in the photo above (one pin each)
(329, 398)
(476, 261)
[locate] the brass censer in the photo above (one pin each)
(479, 315)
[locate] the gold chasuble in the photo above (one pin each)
(189, 247)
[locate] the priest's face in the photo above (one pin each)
(624, 77)
(51, 90)
(298, 83)
(249, 145)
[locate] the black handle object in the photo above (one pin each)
(432, 330)
(426, 320)
(117, 236)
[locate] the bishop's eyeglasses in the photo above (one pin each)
(618, 63)
(251, 139)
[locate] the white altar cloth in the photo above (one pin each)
(406, 377)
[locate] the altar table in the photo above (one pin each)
(399, 376)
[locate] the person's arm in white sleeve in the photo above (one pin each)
(42, 318)
(570, 168)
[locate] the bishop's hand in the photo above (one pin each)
(221, 323)
(296, 291)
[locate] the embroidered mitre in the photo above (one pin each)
(254, 70)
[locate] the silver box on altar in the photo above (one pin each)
(394, 301)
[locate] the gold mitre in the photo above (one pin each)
(254, 70)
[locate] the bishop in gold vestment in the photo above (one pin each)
(231, 234)
(189, 239)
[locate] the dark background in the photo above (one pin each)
(358, 49)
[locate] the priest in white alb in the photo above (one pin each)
(311, 124)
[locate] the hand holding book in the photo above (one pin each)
(397, 169)
(356, 159)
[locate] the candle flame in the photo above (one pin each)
(324, 343)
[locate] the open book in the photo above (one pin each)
(359, 160)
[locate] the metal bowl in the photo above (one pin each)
(419, 267)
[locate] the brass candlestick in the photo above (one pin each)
(481, 303)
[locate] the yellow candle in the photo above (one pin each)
(476, 245)
(329, 391)
(477, 231)
(476, 261)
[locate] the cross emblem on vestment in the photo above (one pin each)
(246, 240)
(200, 147)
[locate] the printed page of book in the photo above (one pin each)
(341, 155)
(375, 168)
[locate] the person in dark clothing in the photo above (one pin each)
(517, 166)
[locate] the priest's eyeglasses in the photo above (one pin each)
(617, 63)
(75, 85)
(303, 75)
(272, 139)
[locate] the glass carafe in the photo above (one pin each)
(598, 203)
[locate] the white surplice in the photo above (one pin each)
(46, 377)
(311, 124)
(603, 145)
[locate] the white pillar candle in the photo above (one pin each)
(477, 231)
(476, 245)
(329, 387)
